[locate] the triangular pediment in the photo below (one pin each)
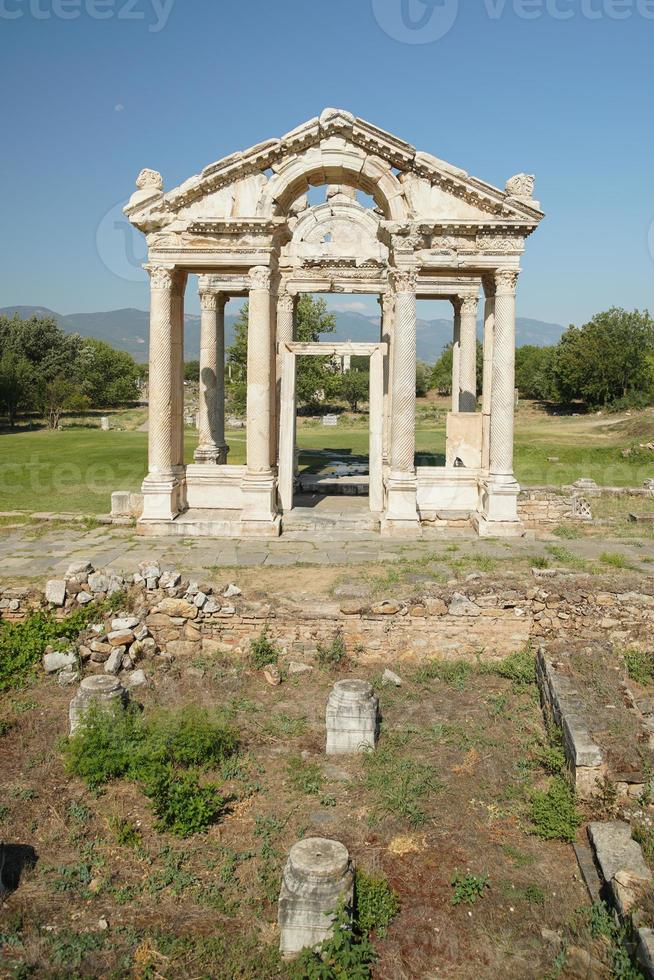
(335, 147)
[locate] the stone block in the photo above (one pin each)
(120, 638)
(114, 661)
(317, 875)
(59, 660)
(462, 606)
(352, 717)
(55, 591)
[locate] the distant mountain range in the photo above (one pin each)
(128, 330)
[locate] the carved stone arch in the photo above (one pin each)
(337, 229)
(348, 165)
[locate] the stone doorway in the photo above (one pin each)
(288, 414)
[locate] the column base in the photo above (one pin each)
(164, 495)
(498, 510)
(401, 516)
(497, 529)
(259, 502)
(216, 455)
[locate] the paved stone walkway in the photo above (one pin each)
(38, 551)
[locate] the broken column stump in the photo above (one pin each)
(103, 689)
(352, 718)
(317, 875)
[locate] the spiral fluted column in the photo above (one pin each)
(211, 446)
(401, 506)
(163, 486)
(468, 355)
(457, 303)
(259, 484)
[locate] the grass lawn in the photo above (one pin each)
(76, 469)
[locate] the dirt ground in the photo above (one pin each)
(447, 790)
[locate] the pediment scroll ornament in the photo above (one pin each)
(149, 180)
(521, 186)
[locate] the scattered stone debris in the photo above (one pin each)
(389, 677)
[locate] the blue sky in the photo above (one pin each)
(559, 88)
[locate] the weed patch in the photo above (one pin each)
(554, 814)
(334, 654)
(263, 651)
(640, 665)
(468, 888)
(376, 904)
(399, 783)
(164, 754)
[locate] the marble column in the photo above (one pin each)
(468, 355)
(286, 305)
(457, 303)
(489, 329)
(259, 483)
(387, 303)
(401, 505)
(163, 490)
(501, 496)
(211, 446)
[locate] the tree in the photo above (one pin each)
(108, 377)
(192, 371)
(608, 359)
(533, 372)
(314, 374)
(16, 383)
(441, 375)
(353, 386)
(58, 396)
(423, 378)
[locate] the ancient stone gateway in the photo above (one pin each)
(246, 227)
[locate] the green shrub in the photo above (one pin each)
(189, 737)
(163, 754)
(334, 654)
(22, 645)
(376, 903)
(468, 888)
(126, 833)
(181, 804)
(105, 745)
(614, 559)
(640, 665)
(452, 672)
(263, 651)
(346, 955)
(518, 667)
(554, 814)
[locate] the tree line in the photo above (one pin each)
(45, 371)
(606, 363)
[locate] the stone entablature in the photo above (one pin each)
(245, 225)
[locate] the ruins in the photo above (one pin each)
(246, 227)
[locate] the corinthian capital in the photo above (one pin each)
(506, 280)
(469, 305)
(208, 300)
(405, 280)
(286, 303)
(162, 277)
(259, 277)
